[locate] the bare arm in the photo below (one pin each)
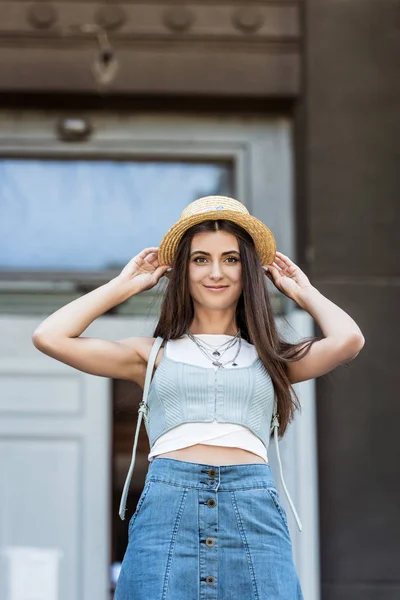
(343, 338)
(58, 335)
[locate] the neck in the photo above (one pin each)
(212, 331)
(213, 323)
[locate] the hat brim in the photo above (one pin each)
(263, 238)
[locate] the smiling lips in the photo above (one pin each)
(216, 288)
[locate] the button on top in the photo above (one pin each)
(212, 473)
(211, 502)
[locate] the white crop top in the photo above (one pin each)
(214, 433)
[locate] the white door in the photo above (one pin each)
(54, 473)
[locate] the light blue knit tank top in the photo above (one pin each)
(182, 392)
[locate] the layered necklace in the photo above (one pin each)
(215, 353)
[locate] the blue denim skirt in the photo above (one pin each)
(207, 532)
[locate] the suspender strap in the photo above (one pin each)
(142, 408)
(275, 426)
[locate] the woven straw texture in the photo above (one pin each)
(217, 207)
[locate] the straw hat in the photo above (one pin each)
(217, 207)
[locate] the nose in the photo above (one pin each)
(216, 271)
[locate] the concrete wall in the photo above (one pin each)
(352, 184)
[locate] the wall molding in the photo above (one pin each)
(207, 48)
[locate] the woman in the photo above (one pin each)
(209, 522)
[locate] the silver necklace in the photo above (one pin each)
(216, 361)
(218, 347)
(214, 347)
(219, 350)
(215, 353)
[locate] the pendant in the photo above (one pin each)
(234, 364)
(216, 353)
(217, 363)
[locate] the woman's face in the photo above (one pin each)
(215, 261)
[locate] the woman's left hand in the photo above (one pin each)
(287, 277)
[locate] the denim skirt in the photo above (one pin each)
(207, 532)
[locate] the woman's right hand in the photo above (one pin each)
(143, 271)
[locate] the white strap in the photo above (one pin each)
(275, 426)
(142, 408)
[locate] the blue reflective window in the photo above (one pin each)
(85, 215)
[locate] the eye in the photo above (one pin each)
(204, 258)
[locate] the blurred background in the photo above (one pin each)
(113, 117)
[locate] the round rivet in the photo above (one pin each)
(110, 17)
(42, 16)
(210, 579)
(211, 502)
(210, 542)
(247, 20)
(178, 19)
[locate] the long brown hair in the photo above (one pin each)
(254, 315)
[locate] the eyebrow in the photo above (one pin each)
(208, 254)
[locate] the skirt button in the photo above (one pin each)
(210, 542)
(211, 502)
(212, 473)
(210, 579)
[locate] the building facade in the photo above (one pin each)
(290, 106)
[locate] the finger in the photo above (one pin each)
(287, 265)
(277, 266)
(271, 267)
(160, 271)
(152, 260)
(284, 258)
(147, 251)
(148, 255)
(273, 273)
(280, 261)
